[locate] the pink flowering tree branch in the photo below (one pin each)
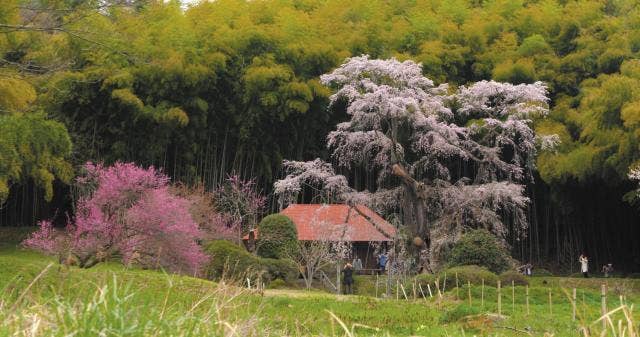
(240, 204)
(125, 211)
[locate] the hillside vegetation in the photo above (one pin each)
(40, 297)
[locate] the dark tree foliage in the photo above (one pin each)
(277, 236)
(479, 247)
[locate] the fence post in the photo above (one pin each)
(513, 296)
(415, 294)
(469, 291)
(573, 304)
(377, 285)
(429, 288)
(499, 299)
(404, 292)
(527, 295)
(422, 292)
(338, 278)
(482, 295)
(397, 289)
(457, 288)
(603, 299)
(444, 284)
(550, 303)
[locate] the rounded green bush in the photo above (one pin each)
(277, 235)
(283, 269)
(447, 278)
(231, 261)
(473, 274)
(277, 284)
(513, 276)
(542, 272)
(480, 248)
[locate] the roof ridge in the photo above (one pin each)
(375, 225)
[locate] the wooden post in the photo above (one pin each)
(482, 295)
(248, 283)
(404, 292)
(377, 285)
(429, 288)
(438, 287)
(621, 301)
(550, 303)
(338, 278)
(499, 299)
(527, 301)
(469, 291)
(444, 284)
(457, 288)
(513, 297)
(397, 289)
(422, 292)
(573, 304)
(414, 290)
(603, 300)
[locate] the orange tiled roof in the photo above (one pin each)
(337, 222)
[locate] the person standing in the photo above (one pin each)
(347, 278)
(607, 269)
(584, 265)
(357, 264)
(382, 262)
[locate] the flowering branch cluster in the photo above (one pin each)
(239, 203)
(462, 155)
(126, 211)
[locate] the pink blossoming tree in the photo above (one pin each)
(239, 203)
(446, 159)
(126, 211)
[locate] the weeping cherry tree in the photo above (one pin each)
(446, 160)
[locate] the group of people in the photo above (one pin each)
(607, 269)
(382, 259)
(526, 269)
(347, 272)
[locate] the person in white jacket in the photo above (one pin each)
(584, 265)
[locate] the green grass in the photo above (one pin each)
(53, 300)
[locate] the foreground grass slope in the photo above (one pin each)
(41, 297)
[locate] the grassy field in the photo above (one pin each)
(41, 297)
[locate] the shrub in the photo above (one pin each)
(480, 248)
(456, 313)
(234, 262)
(542, 272)
(283, 269)
(473, 274)
(423, 280)
(125, 211)
(277, 284)
(229, 259)
(277, 236)
(511, 275)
